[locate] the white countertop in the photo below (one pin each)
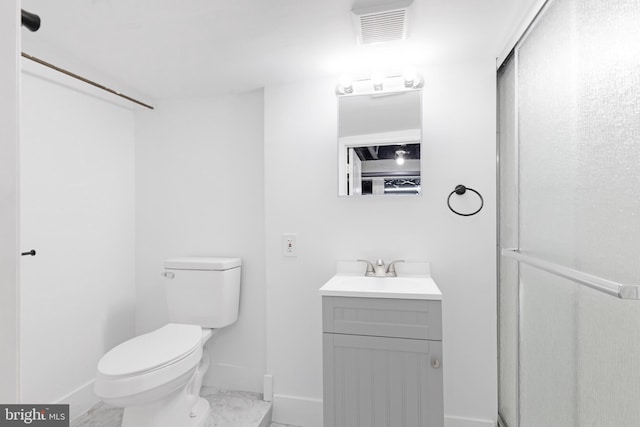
(412, 282)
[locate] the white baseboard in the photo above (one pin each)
(80, 400)
(451, 421)
(307, 412)
(227, 376)
(296, 410)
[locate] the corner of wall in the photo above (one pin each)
(9, 200)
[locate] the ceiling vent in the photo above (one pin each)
(382, 23)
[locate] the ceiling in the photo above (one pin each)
(174, 49)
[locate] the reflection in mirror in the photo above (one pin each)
(379, 143)
(384, 169)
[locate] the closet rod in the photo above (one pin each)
(82, 79)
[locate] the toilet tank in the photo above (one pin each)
(203, 291)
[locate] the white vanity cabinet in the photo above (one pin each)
(382, 361)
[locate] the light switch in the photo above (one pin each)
(289, 245)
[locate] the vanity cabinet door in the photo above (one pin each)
(382, 382)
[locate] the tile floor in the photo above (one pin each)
(228, 409)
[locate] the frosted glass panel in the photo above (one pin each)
(579, 206)
(547, 137)
(579, 355)
(508, 276)
(608, 348)
(508, 339)
(508, 157)
(548, 350)
(579, 121)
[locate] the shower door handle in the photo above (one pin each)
(609, 287)
(32, 252)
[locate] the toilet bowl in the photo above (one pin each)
(156, 377)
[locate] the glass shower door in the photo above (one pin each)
(570, 283)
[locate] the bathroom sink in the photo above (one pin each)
(408, 287)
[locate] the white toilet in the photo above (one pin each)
(156, 377)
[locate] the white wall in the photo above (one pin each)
(207, 183)
(301, 197)
(77, 211)
(9, 210)
(200, 192)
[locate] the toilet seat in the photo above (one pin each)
(151, 351)
(149, 361)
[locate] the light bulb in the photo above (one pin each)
(346, 83)
(376, 79)
(400, 156)
(409, 74)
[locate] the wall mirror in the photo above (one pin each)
(379, 143)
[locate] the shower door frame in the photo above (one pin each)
(512, 55)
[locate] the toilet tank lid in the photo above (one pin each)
(202, 263)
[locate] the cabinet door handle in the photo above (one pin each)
(435, 363)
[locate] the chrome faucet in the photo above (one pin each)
(378, 270)
(391, 269)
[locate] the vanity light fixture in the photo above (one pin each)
(378, 83)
